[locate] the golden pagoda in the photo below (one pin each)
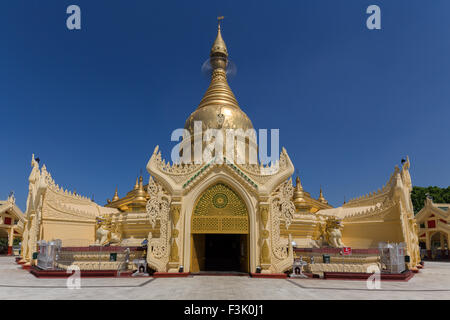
(304, 202)
(135, 200)
(186, 207)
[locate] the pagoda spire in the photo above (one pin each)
(141, 183)
(298, 185)
(299, 195)
(219, 92)
(116, 196)
(140, 192)
(321, 197)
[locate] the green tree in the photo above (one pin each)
(419, 194)
(3, 246)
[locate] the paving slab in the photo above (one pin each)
(432, 282)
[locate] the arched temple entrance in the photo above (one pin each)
(439, 245)
(220, 231)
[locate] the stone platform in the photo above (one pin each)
(170, 274)
(39, 273)
(364, 276)
(269, 275)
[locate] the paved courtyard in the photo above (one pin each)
(433, 282)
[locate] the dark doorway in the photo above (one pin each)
(219, 252)
(222, 252)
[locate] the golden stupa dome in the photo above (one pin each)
(219, 108)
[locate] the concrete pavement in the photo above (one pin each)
(433, 282)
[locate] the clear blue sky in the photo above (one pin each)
(349, 102)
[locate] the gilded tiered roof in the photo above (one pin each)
(305, 203)
(135, 200)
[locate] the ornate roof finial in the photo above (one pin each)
(219, 20)
(321, 197)
(11, 197)
(298, 185)
(219, 52)
(140, 193)
(136, 185)
(299, 200)
(116, 196)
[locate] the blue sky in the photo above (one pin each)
(349, 102)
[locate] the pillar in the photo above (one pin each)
(10, 241)
(448, 246)
(428, 245)
(265, 255)
(174, 259)
(442, 243)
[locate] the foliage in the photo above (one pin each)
(419, 194)
(3, 246)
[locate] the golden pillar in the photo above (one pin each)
(10, 240)
(265, 260)
(174, 259)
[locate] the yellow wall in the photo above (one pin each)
(72, 234)
(368, 235)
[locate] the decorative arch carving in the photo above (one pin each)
(219, 209)
(158, 208)
(282, 208)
